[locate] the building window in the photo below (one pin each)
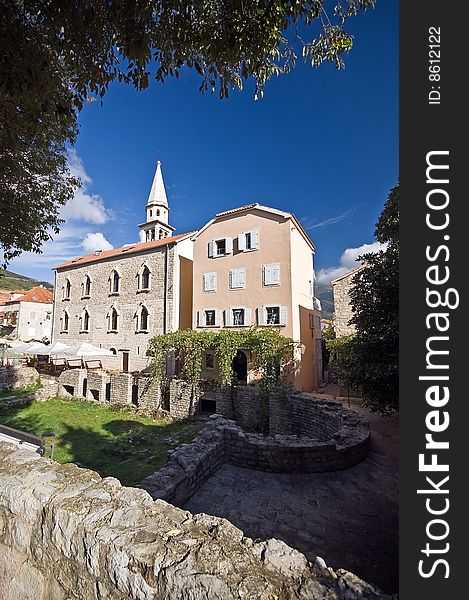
(67, 289)
(114, 282)
(158, 212)
(85, 322)
(271, 274)
(220, 247)
(65, 321)
(272, 315)
(209, 281)
(209, 360)
(238, 317)
(237, 279)
(112, 325)
(48, 316)
(151, 213)
(114, 351)
(143, 319)
(144, 279)
(86, 287)
(209, 318)
(249, 240)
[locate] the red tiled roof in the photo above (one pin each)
(129, 249)
(235, 210)
(36, 294)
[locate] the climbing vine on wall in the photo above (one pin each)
(271, 352)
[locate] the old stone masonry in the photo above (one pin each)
(66, 533)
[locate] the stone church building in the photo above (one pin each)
(119, 299)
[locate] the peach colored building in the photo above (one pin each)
(253, 265)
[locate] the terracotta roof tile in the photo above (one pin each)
(235, 210)
(128, 249)
(36, 294)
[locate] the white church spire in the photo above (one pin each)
(156, 226)
(157, 194)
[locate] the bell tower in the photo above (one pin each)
(156, 226)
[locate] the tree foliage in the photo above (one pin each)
(269, 351)
(56, 55)
(375, 303)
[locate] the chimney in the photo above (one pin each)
(97, 252)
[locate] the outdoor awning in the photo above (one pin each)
(85, 349)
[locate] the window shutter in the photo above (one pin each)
(283, 315)
(229, 317)
(271, 274)
(200, 318)
(217, 317)
(247, 316)
(211, 249)
(228, 245)
(237, 278)
(275, 274)
(261, 315)
(209, 282)
(241, 242)
(254, 240)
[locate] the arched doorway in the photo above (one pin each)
(240, 366)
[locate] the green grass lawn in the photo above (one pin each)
(112, 442)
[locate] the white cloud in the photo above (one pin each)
(348, 262)
(309, 223)
(95, 241)
(84, 206)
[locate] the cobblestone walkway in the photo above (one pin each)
(350, 517)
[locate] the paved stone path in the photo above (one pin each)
(350, 518)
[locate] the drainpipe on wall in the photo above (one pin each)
(53, 308)
(165, 291)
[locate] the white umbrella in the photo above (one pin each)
(56, 348)
(21, 349)
(85, 349)
(36, 348)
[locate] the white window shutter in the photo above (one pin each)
(241, 241)
(217, 317)
(283, 315)
(200, 318)
(254, 239)
(237, 279)
(229, 317)
(275, 274)
(228, 245)
(210, 282)
(261, 315)
(271, 274)
(247, 316)
(211, 249)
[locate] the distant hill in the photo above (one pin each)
(323, 291)
(13, 281)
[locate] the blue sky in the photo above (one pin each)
(321, 143)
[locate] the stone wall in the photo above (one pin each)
(16, 377)
(342, 307)
(222, 440)
(66, 533)
(189, 465)
(141, 392)
(183, 403)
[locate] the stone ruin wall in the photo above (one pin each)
(66, 533)
(191, 465)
